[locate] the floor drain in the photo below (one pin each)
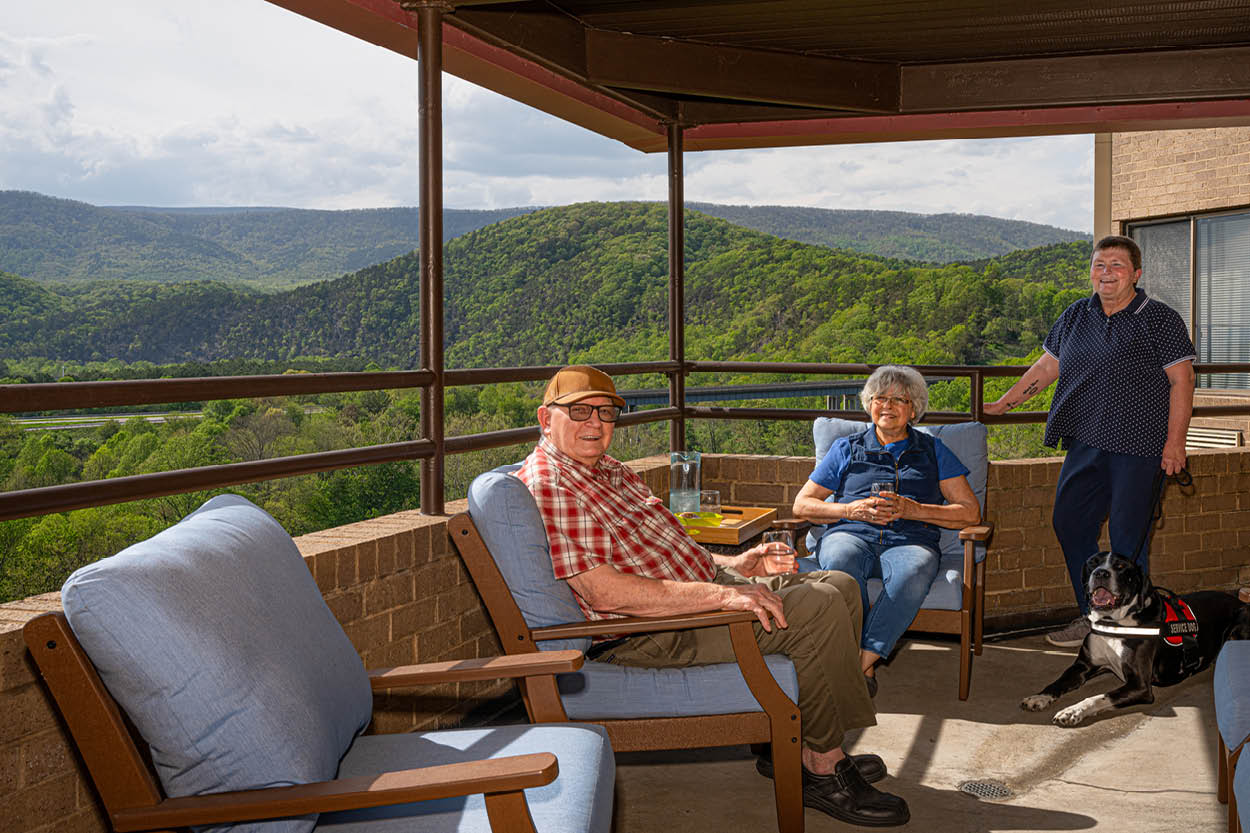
(989, 789)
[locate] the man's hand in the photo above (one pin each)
(771, 559)
(1173, 457)
(764, 603)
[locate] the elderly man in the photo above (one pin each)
(624, 554)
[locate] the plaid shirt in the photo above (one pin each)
(607, 515)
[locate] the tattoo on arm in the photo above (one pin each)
(1030, 390)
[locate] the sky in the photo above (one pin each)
(240, 102)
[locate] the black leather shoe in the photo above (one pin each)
(869, 765)
(846, 796)
(871, 682)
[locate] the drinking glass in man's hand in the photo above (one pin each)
(780, 536)
(877, 488)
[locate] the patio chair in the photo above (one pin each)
(504, 546)
(1231, 686)
(213, 643)
(956, 600)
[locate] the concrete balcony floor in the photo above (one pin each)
(1146, 769)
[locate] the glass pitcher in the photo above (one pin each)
(684, 481)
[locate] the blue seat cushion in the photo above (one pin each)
(605, 691)
(578, 801)
(1231, 685)
(968, 442)
(215, 640)
(506, 516)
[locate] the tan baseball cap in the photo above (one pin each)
(578, 382)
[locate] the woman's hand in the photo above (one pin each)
(874, 510)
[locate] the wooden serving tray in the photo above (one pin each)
(735, 529)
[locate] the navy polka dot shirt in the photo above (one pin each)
(1112, 391)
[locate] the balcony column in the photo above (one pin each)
(676, 286)
(430, 152)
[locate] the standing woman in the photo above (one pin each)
(1124, 362)
(892, 536)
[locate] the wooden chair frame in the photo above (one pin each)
(132, 797)
(778, 724)
(1224, 782)
(968, 622)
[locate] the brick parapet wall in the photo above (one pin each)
(1157, 173)
(403, 596)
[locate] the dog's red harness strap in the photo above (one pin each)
(1178, 619)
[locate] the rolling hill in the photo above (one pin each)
(55, 241)
(583, 282)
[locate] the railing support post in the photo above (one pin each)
(430, 152)
(676, 287)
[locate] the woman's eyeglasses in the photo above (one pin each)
(579, 412)
(897, 401)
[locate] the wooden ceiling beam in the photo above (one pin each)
(1154, 76)
(664, 65)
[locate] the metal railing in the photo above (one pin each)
(71, 395)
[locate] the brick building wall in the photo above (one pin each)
(1157, 173)
(403, 596)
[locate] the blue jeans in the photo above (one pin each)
(906, 572)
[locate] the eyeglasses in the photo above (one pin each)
(579, 412)
(898, 401)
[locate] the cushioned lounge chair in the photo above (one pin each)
(504, 546)
(213, 641)
(956, 600)
(1231, 686)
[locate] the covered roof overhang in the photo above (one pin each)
(764, 73)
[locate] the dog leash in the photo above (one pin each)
(1183, 479)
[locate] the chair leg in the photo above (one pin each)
(978, 613)
(1221, 784)
(788, 785)
(1234, 821)
(965, 657)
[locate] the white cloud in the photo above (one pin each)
(240, 102)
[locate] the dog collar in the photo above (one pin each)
(1122, 630)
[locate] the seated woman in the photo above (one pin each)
(892, 536)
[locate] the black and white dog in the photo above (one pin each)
(1144, 635)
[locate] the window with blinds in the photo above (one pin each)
(1222, 274)
(1165, 264)
(1206, 281)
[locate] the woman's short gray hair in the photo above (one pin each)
(897, 377)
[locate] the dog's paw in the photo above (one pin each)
(1036, 702)
(1071, 716)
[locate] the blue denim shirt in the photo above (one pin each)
(915, 475)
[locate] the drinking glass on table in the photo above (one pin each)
(709, 501)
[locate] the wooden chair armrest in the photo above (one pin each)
(642, 624)
(795, 524)
(488, 668)
(509, 774)
(976, 533)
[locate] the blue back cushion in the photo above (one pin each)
(215, 640)
(967, 440)
(507, 518)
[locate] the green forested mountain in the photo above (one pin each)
(934, 238)
(56, 240)
(581, 282)
(49, 239)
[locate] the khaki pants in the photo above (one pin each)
(822, 640)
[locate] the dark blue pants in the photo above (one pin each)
(1096, 484)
